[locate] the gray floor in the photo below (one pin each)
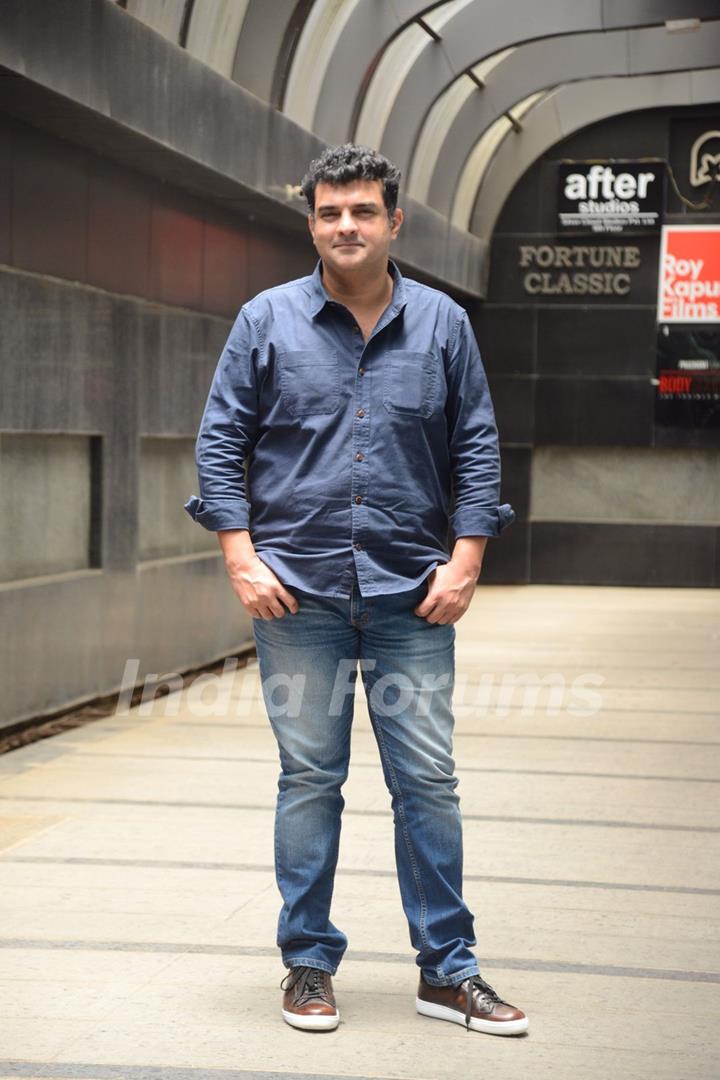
(139, 904)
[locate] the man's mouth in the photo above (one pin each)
(348, 244)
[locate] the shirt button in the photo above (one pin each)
(360, 412)
(359, 457)
(358, 498)
(361, 371)
(358, 547)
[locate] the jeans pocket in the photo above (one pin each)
(309, 381)
(410, 383)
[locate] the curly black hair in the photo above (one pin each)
(343, 164)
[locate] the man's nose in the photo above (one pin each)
(347, 222)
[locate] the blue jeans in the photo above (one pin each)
(308, 667)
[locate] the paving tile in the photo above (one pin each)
(139, 906)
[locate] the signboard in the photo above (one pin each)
(689, 284)
(688, 376)
(610, 198)
(695, 159)
(688, 314)
(581, 271)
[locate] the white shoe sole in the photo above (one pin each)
(318, 1022)
(490, 1027)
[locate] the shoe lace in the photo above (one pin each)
(486, 994)
(310, 981)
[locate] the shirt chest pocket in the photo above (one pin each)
(309, 381)
(411, 383)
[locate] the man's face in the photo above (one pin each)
(350, 228)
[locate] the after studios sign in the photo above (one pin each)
(621, 196)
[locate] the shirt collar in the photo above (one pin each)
(319, 297)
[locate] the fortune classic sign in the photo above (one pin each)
(689, 285)
(578, 269)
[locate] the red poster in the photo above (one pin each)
(689, 287)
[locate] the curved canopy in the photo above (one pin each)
(562, 112)
(460, 94)
(467, 111)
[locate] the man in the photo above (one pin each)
(358, 400)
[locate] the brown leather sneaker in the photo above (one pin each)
(309, 1002)
(472, 1002)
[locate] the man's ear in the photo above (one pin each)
(396, 221)
(311, 225)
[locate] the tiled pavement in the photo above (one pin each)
(138, 902)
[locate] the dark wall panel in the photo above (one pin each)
(273, 258)
(676, 436)
(68, 213)
(507, 559)
(507, 337)
(521, 211)
(629, 135)
(176, 252)
(594, 412)
(514, 401)
(119, 212)
(516, 462)
(225, 284)
(595, 341)
(49, 206)
(572, 553)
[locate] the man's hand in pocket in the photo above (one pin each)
(259, 590)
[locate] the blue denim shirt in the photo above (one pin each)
(339, 454)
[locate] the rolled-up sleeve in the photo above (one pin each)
(227, 434)
(473, 442)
